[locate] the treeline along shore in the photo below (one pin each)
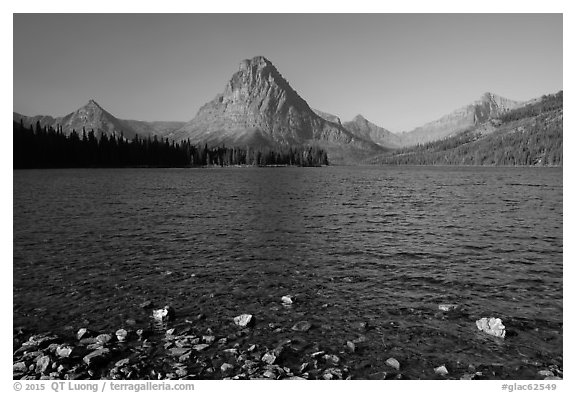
(46, 147)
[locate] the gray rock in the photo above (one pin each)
(103, 338)
(243, 320)
(177, 352)
(121, 335)
(42, 364)
(545, 373)
(122, 362)
(200, 347)
(332, 373)
(64, 351)
(302, 326)
(492, 326)
(231, 351)
(226, 368)
(332, 359)
(83, 333)
(98, 356)
(351, 346)
(395, 364)
(269, 358)
(19, 367)
(378, 375)
(208, 339)
(146, 304)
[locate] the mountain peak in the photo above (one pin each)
(359, 117)
(92, 102)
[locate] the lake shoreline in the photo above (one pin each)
(188, 353)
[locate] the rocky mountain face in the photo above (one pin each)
(93, 117)
(258, 107)
(370, 131)
(328, 116)
(487, 107)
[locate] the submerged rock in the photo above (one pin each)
(448, 307)
(302, 326)
(351, 346)
(492, 326)
(395, 364)
(244, 320)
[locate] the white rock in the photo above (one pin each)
(163, 313)
(287, 299)
(492, 326)
(121, 335)
(243, 320)
(441, 370)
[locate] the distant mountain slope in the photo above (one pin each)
(528, 135)
(151, 128)
(88, 117)
(487, 107)
(259, 108)
(363, 128)
(93, 117)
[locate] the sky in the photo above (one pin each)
(397, 70)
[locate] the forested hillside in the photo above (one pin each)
(46, 147)
(529, 135)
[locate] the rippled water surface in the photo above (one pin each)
(353, 244)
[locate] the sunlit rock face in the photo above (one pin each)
(259, 107)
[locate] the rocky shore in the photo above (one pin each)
(194, 351)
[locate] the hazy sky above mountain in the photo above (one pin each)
(398, 70)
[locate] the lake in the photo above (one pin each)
(377, 245)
